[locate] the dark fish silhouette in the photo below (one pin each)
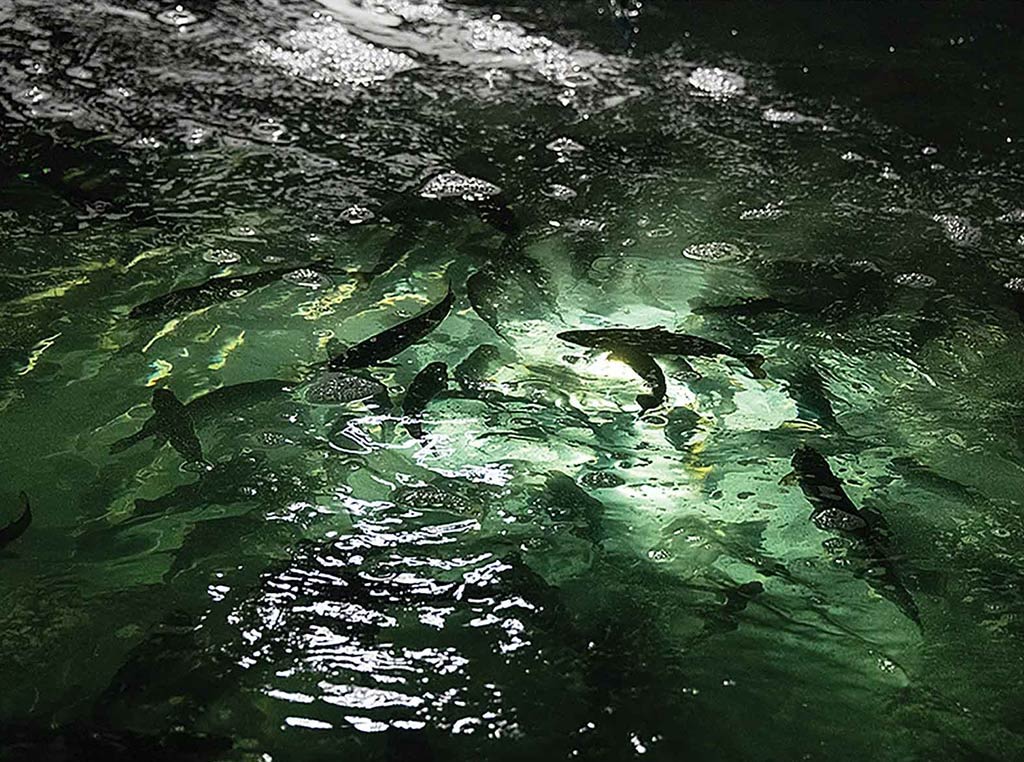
(171, 422)
(564, 501)
(387, 344)
(835, 512)
(429, 382)
(658, 341)
(17, 528)
(198, 410)
(645, 367)
(809, 390)
(213, 291)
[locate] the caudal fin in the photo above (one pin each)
(754, 363)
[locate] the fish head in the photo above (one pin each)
(807, 460)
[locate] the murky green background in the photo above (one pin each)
(335, 589)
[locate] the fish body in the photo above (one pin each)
(429, 382)
(233, 396)
(390, 342)
(564, 501)
(645, 367)
(213, 291)
(658, 341)
(834, 511)
(20, 525)
(481, 363)
(174, 425)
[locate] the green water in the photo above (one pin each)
(549, 572)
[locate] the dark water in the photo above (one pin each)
(284, 572)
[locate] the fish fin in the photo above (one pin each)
(754, 363)
(789, 480)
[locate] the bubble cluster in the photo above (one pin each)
(958, 229)
(1015, 284)
(914, 280)
(769, 211)
(779, 116)
(713, 251)
(178, 16)
(554, 62)
(560, 192)
(307, 278)
(455, 185)
(716, 83)
(221, 257)
(324, 51)
(356, 215)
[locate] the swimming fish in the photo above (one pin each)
(658, 341)
(233, 397)
(17, 528)
(835, 512)
(481, 363)
(564, 501)
(429, 382)
(213, 291)
(645, 367)
(388, 343)
(171, 422)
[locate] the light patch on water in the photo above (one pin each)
(308, 723)
(914, 280)
(760, 409)
(221, 358)
(37, 352)
(161, 369)
(326, 303)
(167, 328)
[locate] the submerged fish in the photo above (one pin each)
(233, 397)
(213, 291)
(753, 306)
(387, 344)
(17, 528)
(645, 367)
(835, 512)
(564, 501)
(658, 341)
(429, 382)
(340, 388)
(480, 365)
(171, 422)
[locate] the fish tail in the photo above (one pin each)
(754, 363)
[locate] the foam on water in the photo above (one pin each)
(716, 83)
(322, 50)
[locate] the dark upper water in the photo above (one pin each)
(538, 553)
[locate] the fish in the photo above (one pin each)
(388, 343)
(834, 511)
(659, 341)
(233, 396)
(427, 384)
(340, 388)
(645, 367)
(564, 501)
(171, 422)
(482, 362)
(483, 290)
(213, 291)
(18, 527)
